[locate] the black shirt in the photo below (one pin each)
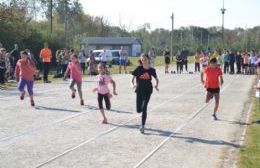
(144, 79)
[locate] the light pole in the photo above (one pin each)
(172, 18)
(223, 10)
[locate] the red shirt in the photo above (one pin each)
(212, 77)
(46, 55)
(25, 70)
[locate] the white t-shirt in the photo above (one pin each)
(103, 56)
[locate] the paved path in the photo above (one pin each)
(59, 133)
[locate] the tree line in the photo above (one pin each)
(63, 23)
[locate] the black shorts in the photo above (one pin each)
(245, 65)
(167, 60)
(213, 90)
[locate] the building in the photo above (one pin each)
(131, 44)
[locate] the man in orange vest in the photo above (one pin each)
(46, 55)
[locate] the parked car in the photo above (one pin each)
(115, 57)
(97, 55)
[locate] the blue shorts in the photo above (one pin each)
(122, 61)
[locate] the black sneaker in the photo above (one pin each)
(142, 129)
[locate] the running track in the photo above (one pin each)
(60, 133)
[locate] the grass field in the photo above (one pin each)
(250, 154)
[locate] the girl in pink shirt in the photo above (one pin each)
(103, 90)
(24, 74)
(75, 77)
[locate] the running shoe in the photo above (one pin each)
(142, 129)
(32, 103)
(104, 121)
(82, 102)
(73, 95)
(22, 95)
(214, 117)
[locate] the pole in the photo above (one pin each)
(65, 21)
(223, 10)
(172, 18)
(51, 7)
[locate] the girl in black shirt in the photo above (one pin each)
(143, 88)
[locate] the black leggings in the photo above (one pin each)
(2, 75)
(46, 68)
(179, 67)
(142, 101)
(100, 101)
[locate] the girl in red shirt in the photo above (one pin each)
(210, 79)
(24, 74)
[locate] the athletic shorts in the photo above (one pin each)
(122, 61)
(213, 90)
(245, 65)
(167, 60)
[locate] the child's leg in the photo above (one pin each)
(79, 86)
(21, 85)
(30, 88)
(107, 101)
(100, 105)
(216, 95)
(145, 104)
(139, 102)
(208, 97)
(72, 83)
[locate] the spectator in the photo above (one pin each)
(4, 65)
(226, 61)
(152, 57)
(167, 59)
(122, 59)
(239, 62)
(232, 60)
(64, 60)
(82, 60)
(46, 55)
(197, 61)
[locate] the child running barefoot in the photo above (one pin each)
(75, 77)
(24, 73)
(103, 90)
(144, 88)
(210, 79)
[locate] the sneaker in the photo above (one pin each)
(214, 117)
(142, 129)
(47, 81)
(82, 102)
(32, 103)
(22, 95)
(104, 121)
(73, 95)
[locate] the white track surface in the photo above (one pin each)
(59, 133)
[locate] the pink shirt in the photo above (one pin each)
(103, 81)
(75, 71)
(25, 70)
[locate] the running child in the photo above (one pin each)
(24, 74)
(144, 88)
(210, 79)
(103, 90)
(75, 77)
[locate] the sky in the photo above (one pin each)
(205, 13)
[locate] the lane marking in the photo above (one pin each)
(192, 116)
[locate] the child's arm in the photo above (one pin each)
(114, 86)
(133, 82)
(202, 78)
(17, 72)
(157, 83)
(66, 73)
(221, 80)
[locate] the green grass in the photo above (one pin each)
(250, 154)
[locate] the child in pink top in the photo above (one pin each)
(75, 77)
(24, 74)
(103, 90)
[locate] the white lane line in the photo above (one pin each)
(30, 131)
(109, 131)
(178, 129)
(41, 127)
